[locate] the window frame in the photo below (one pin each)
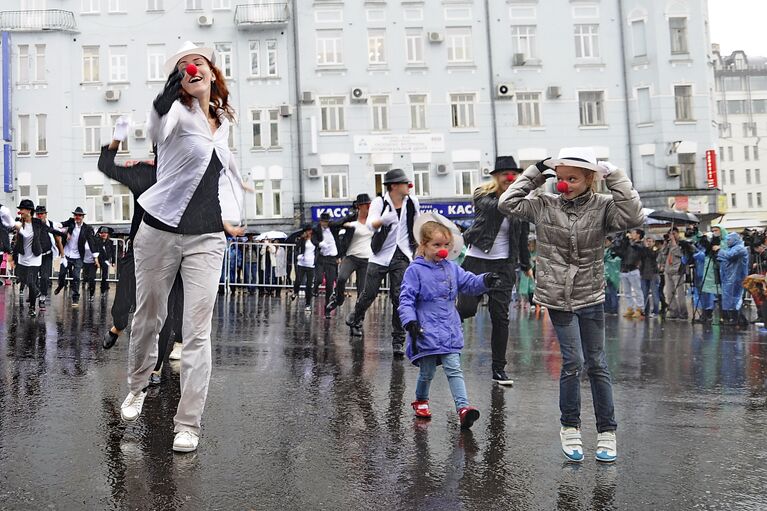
(598, 108)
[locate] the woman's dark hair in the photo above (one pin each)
(219, 95)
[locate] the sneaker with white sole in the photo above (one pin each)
(131, 407)
(572, 445)
(607, 447)
(176, 353)
(185, 441)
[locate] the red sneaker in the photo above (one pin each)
(468, 415)
(421, 409)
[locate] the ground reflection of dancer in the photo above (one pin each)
(183, 230)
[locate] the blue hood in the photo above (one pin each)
(734, 239)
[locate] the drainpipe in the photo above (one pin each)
(7, 139)
(491, 80)
(626, 95)
(299, 135)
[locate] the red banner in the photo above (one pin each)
(712, 178)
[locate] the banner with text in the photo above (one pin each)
(448, 209)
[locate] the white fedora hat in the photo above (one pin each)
(583, 157)
(433, 216)
(189, 48)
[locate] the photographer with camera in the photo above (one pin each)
(706, 274)
(673, 267)
(733, 266)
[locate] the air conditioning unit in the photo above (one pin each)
(441, 169)
(436, 37)
(518, 59)
(107, 199)
(313, 172)
(553, 92)
(359, 95)
(204, 20)
(486, 172)
(504, 90)
(673, 171)
(112, 94)
(139, 133)
(307, 97)
(285, 110)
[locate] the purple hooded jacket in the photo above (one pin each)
(428, 295)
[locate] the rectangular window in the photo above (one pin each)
(758, 199)
(750, 199)
(25, 192)
(122, 210)
(421, 185)
(746, 152)
(643, 105)
(414, 46)
(276, 197)
(678, 31)
(255, 58)
(721, 153)
(274, 128)
(118, 63)
(412, 14)
(683, 102)
(592, 108)
(529, 108)
(90, 63)
(379, 171)
(376, 46)
(42, 140)
(757, 177)
(224, 58)
(271, 57)
(230, 139)
(258, 197)
(23, 147)
(123, 148)
(380, 112)
(42, 195)
(729, 153)
(523, 40)
(638, 38)
(156, 59)
(756, 153)
(332, 114)
(329, 16)
(329, 48)
(733, 200)
(732, 176)
(376, 15)
(459, 45)
(91, 134)
(335, 182)
(94, 202)
(257, 141)
(154, 5)
(193, 5)
(464, 178)
(38, 74)
(222, 4)
(90, 7)
(587, 41)
(462, 110)
(23, 63)
(418, 112)
(748, 176)
(117, 6)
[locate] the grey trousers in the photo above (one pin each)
(159, 255)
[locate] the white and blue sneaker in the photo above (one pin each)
(607, 447)
(572, 445)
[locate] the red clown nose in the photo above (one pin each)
(511, 178)
(410, 185)
(442, 253)
(562, 187)
(191, 69)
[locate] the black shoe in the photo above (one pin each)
(500, 377)
(32, 312)
(331, 306)
(398, 350)
(58, 290)
(41, 305)
(109, 340)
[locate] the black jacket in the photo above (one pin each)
(86, 234)
(317, 236)
(630, 254)
(348, 234)
(40, 236)
(487, 223)
(648, 263)
(301, 246)
(106, 250)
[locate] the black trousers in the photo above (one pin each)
(73, 270)
(29, 275)
(125, 293)
(498, 305)
(89, 277)
(46, 272)
(104, 276)
(304, 274)
(349, 265)
(327, 266)
(374, 277)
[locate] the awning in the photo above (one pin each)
(740, 221)
(687, 147)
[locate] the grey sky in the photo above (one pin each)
(739, 25)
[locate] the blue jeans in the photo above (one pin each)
(580, 333)
(452, 365)
(651, 286)
(611, 298)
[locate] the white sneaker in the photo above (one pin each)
(176, 353)
(185, 441)
(131, 407)
(572, 445)
(607, 447)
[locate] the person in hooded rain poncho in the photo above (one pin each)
(733, 268)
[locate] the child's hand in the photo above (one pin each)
(605, 169)
(492, 280)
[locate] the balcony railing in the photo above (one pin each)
(261, 14)
(38, 21)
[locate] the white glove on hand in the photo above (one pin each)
(605, 169)
(121, 129)
(390, 217)
(64, 262)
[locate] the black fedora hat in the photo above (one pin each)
(26, 204)
(395, 176)
(504, 163)
(40, 209)
(78, 211)
(362, 198)
(324, 217)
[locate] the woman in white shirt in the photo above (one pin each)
(197, 193)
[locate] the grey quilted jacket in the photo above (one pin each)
(571, 233)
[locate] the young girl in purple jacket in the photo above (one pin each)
(427, 308)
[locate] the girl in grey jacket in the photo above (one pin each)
(571, 229)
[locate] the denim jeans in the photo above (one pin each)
(582, 332)
(348, 265)
(73, 269)
(611, 298)
(651, 286)
(631, 282)
(451, 363)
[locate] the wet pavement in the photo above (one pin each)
(299, 417)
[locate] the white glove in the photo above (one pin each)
(549, 173)
(605, 169)
(390, 217)
(64, 262)
(121, 128)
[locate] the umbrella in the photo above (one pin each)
(677, 217)
(272, 235)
